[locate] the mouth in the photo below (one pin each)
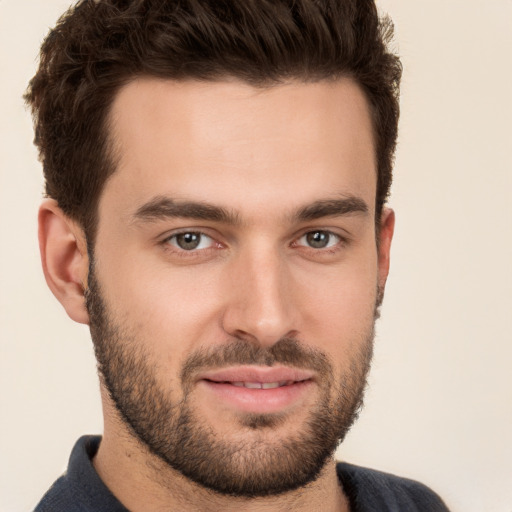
(257, 390)
(262, 385)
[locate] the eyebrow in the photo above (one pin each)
(162, 207)
(332, 208)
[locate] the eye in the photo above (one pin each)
(190, 241)
(319, 239)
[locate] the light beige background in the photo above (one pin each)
(439, 407)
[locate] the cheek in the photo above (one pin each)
(168, 307)
(338, 305)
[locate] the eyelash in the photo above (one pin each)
(183, 253)
(180, 252)
(328, 248)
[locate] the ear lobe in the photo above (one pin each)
(64, 258)
(387, 227)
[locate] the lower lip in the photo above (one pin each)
(258, 401)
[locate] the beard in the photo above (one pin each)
(255, 463)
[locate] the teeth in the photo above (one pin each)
(262, 385)
(253, 385)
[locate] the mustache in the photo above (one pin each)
(286, 351)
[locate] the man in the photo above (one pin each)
(216, 175)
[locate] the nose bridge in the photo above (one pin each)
(261, 304)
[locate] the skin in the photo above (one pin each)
(263, 155)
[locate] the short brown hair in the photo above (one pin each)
(98, 46)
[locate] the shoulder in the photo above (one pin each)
(66, 494)
(80, 489)
(58, 497)
(369, 490)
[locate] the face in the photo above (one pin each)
(235, 277)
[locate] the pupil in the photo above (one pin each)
(318, 239)
(188, 241)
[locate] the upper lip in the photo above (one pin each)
(263, 374)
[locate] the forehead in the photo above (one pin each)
(241, 146)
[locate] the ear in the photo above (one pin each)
(64, 257)
(387, 227)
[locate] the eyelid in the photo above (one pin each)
(331, 243)
(341, 233)
(176, 253)
(338, 239)
(203, 236)
(342, 239)
(181, 231)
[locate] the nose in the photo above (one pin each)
(261, 304)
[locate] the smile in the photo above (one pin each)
(262, 385)
(255, 389)
(257, 377)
